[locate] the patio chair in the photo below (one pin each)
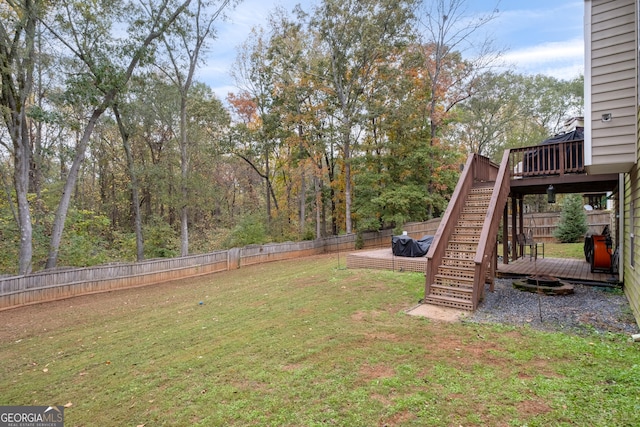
(527, 241)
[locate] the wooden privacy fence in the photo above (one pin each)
(58, 284)
(543, 225)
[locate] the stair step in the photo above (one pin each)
(453, 248)
(481, 190)
(466, 228)
(474, 210)
(486, 185)
(477, 192)
(455, 262)
(449, 302)
(456, 272)
(473, 215)
(461, 291)
(479, 196)
(467, 237)
(462, 230)
(447, 292)
(477, 201)
(465, 255)
(454, 245)
(453, 282)
(471, 223)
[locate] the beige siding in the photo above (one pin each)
(613, 85)
(632, 274)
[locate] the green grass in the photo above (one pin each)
(564, 250)
(304, 343)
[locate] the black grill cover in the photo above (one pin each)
(408, 247)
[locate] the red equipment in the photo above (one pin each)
(601, 259)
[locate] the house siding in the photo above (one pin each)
(613, 63)
(632, 228)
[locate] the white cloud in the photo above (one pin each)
(547, 52)
(563, 59)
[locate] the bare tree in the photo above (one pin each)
(455, 54)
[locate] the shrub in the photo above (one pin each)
(160, 240)
(573, 220)
(250, 230)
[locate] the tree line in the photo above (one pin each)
(355, 115)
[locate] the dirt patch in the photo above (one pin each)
(434, 312)
(376, 372)
(383, 336)
(292, 367)
(532, 408)
(398, 419)
(361, 316)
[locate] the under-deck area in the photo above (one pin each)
(573, 270)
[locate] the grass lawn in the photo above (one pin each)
(304, 343)
(564, 250)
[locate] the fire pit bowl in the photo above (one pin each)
(545, 284)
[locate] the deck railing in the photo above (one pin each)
(558, 158)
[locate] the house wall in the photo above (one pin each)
(610, 80)
(631, 253)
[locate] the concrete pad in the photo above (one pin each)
(435, 312)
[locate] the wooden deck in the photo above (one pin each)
(383, 259)
(566, 269)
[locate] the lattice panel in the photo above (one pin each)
(418, 265)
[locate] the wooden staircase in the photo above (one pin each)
(462, 257)
(454, 281)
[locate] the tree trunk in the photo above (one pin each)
(267, 184)
(17, 59)
(21, 182)
(65, 200)
(347, 180)
(302, 213)
(135, 197)
(317, 190)
(184, 174)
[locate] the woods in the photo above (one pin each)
(353, 116)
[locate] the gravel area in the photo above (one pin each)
(589, 309)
